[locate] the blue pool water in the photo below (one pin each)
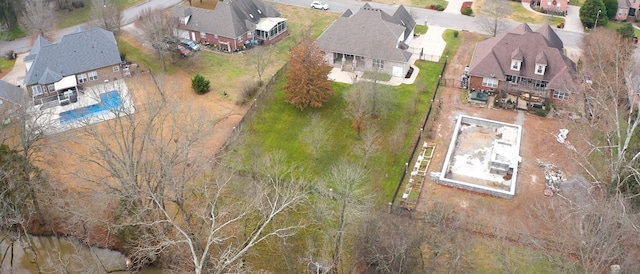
(108, 101)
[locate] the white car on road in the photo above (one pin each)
(319, 5)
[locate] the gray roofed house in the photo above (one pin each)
(86, 57)
(627, 10)
(369, 39)
(232, 24)
(11, 94)
(523, 61)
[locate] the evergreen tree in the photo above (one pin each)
(589, 13)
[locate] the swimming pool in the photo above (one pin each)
(109, 101)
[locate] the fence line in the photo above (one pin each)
(264, 94)
(417, 141)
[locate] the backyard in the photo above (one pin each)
(277, 126)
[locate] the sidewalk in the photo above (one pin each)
(433, 46)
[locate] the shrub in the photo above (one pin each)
(467, 11)
(250, 89)
(11, 55)
(456, 33)
(200, 85)
(542, 112)
(440, 7)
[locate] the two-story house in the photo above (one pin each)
(84, 58)
(523, 61)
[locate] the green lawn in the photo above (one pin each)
(135, 55)
(613, 25)
(68, 18)
(278, 128)
(13, 34)
(492, 256)
(420, 29)
(427, 3)
(5, 64)
(453, 43)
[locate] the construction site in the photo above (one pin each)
(483, 156)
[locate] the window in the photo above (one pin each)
(82, 78)
(559, 94)
(116, 68)
(36, 90)
(490, 82)
(378, 63)
(203, 35)
(540, 69)
(515, 64)
(240, 38)
(51, 88)
(93, 75)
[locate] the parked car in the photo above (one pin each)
(319, 5)
(190, 44)
(184, 51)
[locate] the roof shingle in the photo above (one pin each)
(77, 52)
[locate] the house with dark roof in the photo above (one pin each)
(57, 71)
(232, 25)
(11, 97)
(369, 39)
(523, 62)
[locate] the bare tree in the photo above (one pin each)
(492, 14)
(159, 31)
(589, 237)
(316, 134)
(396, 142)
(369, 144)
(606, 143)
(37, 17)
(446, 239)
(171, 205)
(107, 14)
(260, 57)
(358, 108)
(390, 244)
(344, 205)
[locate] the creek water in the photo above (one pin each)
(48, 254)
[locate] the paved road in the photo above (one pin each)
(129, 15)
(571, 39)
(433, 18)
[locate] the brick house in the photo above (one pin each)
(232, 25)
(57, 71)
(523, 61)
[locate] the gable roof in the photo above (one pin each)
(230, 18)
(11, 93)
(369, 32)
(40, 42)
(82, 51)
(492, 57)
(551, 36)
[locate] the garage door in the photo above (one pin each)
(397, 71)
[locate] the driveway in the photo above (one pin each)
(572, 20)
(18, 72)
(454, 6)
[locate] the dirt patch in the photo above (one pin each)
(538, 143)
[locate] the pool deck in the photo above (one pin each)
(90, 96)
